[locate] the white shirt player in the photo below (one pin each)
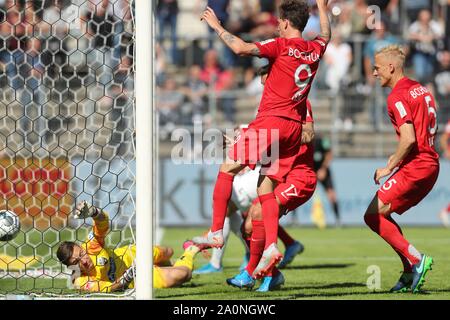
(244, 189)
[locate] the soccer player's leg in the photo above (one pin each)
(221, 196)
(398, 194)
(181, 272)
(298, 189)
(270, 213)
(332, 197)
(254, 229)
(378, 218)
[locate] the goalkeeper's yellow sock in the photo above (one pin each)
(187, 259)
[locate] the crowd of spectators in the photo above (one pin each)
(59, 52)
(360, 28)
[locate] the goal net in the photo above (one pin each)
(66, 132)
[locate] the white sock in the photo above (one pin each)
(217, 254)
(414, 252)
(235, 226)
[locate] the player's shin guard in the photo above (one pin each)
(270, 217)
(221, 196)
(256, 245)
(390, 233)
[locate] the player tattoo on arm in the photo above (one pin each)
(237, 45)
(228, 38)
(255, 52)
(325, 27)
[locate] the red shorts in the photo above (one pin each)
(273, 142)
(408, 186)
(299, 187)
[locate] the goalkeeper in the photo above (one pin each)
(104, 269)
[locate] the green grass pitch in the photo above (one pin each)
(334, 265)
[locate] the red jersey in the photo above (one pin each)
(410, 102)
(293, 66)
(305, 157)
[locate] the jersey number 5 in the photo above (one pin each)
(432, 120)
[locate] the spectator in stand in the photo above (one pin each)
(413, 7)
(447, 25)
(221, 8)
(255, 87)
(196, 92)
(167, 14)
(390, 10)
(338, 59)
(353, 18)
(168, 102)
(312, 28)
(219, 80)
(160, 65)
(379, 38)
(442, 77)
(424, 35)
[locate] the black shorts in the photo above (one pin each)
(327, 182)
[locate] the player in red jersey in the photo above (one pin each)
(412, 111)
(276, 131)
(297, 189)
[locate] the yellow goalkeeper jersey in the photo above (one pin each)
(110, 264)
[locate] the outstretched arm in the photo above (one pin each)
(237, 45)
(325, 28)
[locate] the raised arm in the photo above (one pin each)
(325, 28)
(96, 238)
(237, 45)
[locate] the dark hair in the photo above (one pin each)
(263, 70)
(65, 252)
(296, 11)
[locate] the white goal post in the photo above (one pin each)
(144, 147)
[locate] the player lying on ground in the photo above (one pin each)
(298, 188)
(103, 269)
(412, 111)
(243, 195)
(294, 63)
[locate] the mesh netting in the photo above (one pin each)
(66, 131)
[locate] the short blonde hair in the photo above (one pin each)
(394, 51)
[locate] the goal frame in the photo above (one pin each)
(145, 146)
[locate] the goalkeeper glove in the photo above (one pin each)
(83, 211)
(128, 276)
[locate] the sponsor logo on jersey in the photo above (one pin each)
(401, 109)
(102, 261)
